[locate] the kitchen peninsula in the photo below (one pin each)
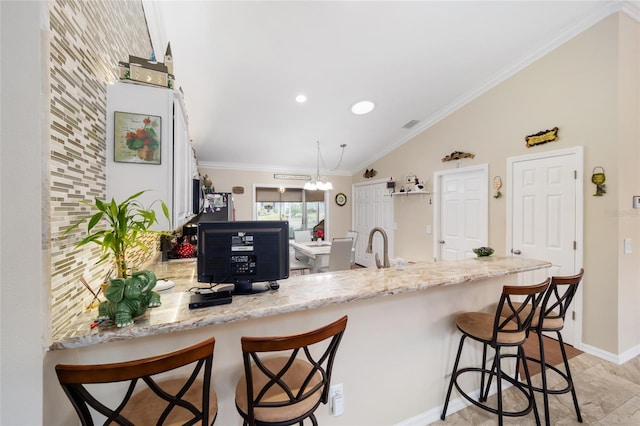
(403, 343)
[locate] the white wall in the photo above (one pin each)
(24, 293)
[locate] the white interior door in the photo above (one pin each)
(545, 220)
(461, 206)
(372, 207)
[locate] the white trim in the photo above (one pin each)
(611, 357)
(578, 151)
(271, 168)
(437, 176)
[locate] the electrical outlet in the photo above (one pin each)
(636, 201)
(336, 400)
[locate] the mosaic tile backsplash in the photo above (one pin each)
(86, 41)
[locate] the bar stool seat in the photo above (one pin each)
(507, 327)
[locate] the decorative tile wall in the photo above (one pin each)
(87, 39)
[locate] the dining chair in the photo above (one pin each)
(302, 236)
(151, 396)
(354, 236)
(339, 255)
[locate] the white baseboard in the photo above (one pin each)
(454, 406)
(611, 357)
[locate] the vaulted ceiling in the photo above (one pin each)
(242, 64)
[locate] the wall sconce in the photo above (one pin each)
(598, 178)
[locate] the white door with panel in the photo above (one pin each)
(461, 212)
(545, 215)
(372, 207)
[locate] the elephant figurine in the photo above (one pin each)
(129, 298)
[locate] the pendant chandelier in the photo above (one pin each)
(320, 183)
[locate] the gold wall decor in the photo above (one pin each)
(456, 155)
(541, 137)
(598, 179)
(368, 174)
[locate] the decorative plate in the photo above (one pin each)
(341, 199)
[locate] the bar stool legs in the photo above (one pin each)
(566, 375)
(496, 369)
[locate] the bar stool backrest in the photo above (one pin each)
(73, 378)
(514, 317)
(560, 295)
(315, 350)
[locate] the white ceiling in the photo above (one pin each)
(241, 65)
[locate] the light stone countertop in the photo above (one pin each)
(297, 293)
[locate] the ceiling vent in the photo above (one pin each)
(410, 124)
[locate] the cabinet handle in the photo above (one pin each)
(441, 241)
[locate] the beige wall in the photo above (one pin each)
(338, 220)
(628, 179)
(589, 89)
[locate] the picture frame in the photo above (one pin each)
(137, 138)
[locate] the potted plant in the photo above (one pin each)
(127, 296)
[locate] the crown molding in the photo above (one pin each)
(245, 167)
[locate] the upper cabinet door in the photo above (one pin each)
(166, 174)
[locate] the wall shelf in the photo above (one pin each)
(406, 193)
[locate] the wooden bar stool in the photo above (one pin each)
(553, 310)
(506, 328)
(279, 387)
(162, 400)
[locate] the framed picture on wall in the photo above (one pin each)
(137, 138)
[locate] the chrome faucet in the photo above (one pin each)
(385, 242)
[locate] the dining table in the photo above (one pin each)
(313, 253)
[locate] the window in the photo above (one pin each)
(303, 209)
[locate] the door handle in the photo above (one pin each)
(441, 241)
(516, 252)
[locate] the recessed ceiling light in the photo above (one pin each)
(301, 99)
(362, 107)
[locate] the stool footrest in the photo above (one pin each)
(486, 407)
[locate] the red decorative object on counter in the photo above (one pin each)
(183, 249)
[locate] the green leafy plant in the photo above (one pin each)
(125, 221)
(483, 251)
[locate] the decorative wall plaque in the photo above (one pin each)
(542, 137)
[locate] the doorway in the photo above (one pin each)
(545, 219)
(461, 212)
(372, 207)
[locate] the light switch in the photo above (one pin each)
(627, 246)
(428, 229)
(636, 201)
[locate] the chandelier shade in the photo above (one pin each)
(320, 183)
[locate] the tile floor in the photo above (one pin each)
(608, 394)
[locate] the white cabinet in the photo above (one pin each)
(167, 173)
